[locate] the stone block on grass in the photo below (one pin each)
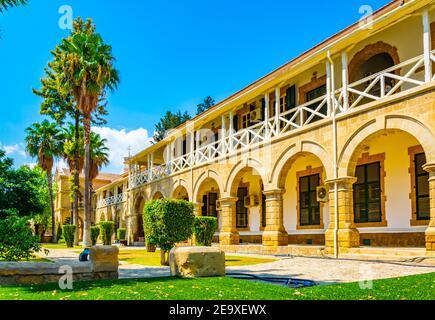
(195, 262)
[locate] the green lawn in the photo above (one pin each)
(413, 287)
(59, 246)
(153, 258)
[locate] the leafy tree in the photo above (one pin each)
(23, 190)
(5, 4)
(83, 66)
(169, 121)
(60, 105)
(16, 239)
(45, 142)
(166, 222)
(206, 104)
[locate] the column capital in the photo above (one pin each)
(429, 167)
(228, 201)
(342, 181)
(275, 193)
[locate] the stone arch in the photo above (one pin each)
(180, 186)
(354, 145)
(158, 195)
(138, 206)
(370, 51)
(240, 169)
(292, 153)
(210, 174)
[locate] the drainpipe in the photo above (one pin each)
(334, 143)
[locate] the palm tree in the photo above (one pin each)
(99, 158)
(45, 142)
(74, 155)
(85, 70)
(5, 4)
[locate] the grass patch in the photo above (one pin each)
(59, 246)
(405, 288)
(145, 258)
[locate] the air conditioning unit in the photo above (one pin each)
(322, 194)
(256, 115)
(251, 201)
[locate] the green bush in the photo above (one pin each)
(204, 229)
(106, 231)
(68, 231)
(59, 232)
(16, 239)
(95, 232)
(121, 233)
(166, 222)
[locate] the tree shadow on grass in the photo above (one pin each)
(80, 286)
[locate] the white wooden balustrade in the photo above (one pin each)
(396, 79)
(119, 198)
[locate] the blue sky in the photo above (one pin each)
(170, 55)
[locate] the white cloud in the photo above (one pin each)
(16, 149)
(118, 142)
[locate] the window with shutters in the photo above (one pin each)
(421, 188)
(209, 208)
(313, 95)
(309, 210)
(368, 191)
(241, 210)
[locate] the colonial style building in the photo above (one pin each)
(63, 202)
(333, 150)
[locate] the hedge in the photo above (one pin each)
(204, 229)
(106, 231)
(95, 232)
(121, 233)
(68, 231)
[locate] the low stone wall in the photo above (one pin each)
(103, 264)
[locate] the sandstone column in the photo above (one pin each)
(430, 231)
(274, 234)
(348, 235)
(228, 234)
(197, 209)
(130, 220)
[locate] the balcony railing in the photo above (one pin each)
(119, 198)
(388, 82)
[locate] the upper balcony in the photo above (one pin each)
(370, 64)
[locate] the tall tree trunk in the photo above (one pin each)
(76, 181)
(87, 211)
(53, 216)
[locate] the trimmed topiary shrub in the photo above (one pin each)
(121, 233)
(68, 231)
(166, 222)
(59, 232)
(106, 231)
(95, 232)
(16, 239)
(204, 229)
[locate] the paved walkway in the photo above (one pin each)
(322, 270)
